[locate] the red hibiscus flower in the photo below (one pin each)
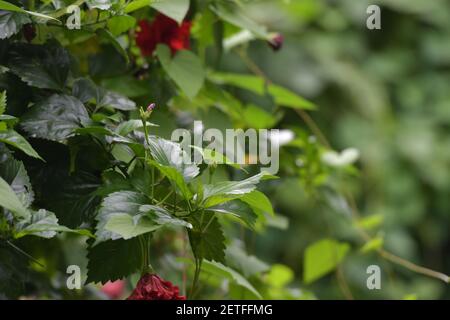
(114, 290)
(163, 30)
(152, 287)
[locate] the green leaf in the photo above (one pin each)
(55, 118)
(322, 257)
(10, 201)
(185, 69)
(238, 209)
(45, 67)
(11, 23)
(206, 237)
(168, 159)
(10, 7)
(258, 201)
(175, 9)
(282, 96)
(248, 265)
(14, 173)
(120, 24)
(44, 224)
(14, 139)
(233, 14)
(113, 260)
(136, 5)
(126, 127)
(122, 203)
(100, 4)
(128, 226)
(162, 217)
(228, 190)
(85, 90)
(222, 271)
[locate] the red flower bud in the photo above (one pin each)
(152, 287)
(276, 42)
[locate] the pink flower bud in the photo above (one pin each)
(276, 42)
(151, 107)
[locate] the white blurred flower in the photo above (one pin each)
(281, 137)
(346, 157)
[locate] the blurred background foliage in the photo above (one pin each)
(383, 92)
(386, 93)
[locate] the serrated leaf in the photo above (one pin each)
(117, 204)
(11, 23)
(43, 224)
(238, 209)
(162, 217)
(113, 260)
(220, 192)
(10, 201)
(169, 159)
(175, 9)
(14, 139)
(128, 226)
(55, 118)
(85, 90)
(45, 67)
(322, 257)
(206, 238)
(14, 173)
(10, 7)
(185, 69)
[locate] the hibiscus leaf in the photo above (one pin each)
(122, 203)
(169, 160)
(185, 69)
(113, 260)
(220, 192)
(15, 174)
(43, 224)
(10, 201)
(237, 209)
(175, 9)
(206, 237)
(14, 139)
(45, 67)
(11, 23)
(55, 118)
